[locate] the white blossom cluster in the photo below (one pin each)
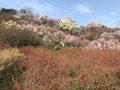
(39, 18)
(71, 39)
(106, 41)
(67, 24)
(95, 23)
(10, 24)
(107, 35)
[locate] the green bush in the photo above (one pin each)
(6, 16)
(50, 46)
(75, 86)
(19, 37)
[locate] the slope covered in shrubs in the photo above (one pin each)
(69, 69)
(88, 57)
(26, 28)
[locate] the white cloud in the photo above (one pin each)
(83, 8)
(103, 17)
(113, 13)
(37, 5)
(41, 6)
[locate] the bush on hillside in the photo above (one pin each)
(9, 58)
(68, 24)
(19, 37)
(95, 23)
(10, 25)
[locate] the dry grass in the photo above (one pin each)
(9, 70)
(8, 57)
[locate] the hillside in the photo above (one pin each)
(38, 52)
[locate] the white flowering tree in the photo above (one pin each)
(68, 24)
(95, 23)
(117, 26)
(10, 25)
(25, 13)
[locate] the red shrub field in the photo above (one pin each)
(69, 69)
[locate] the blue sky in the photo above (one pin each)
(82, 11)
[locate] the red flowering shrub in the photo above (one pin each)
(42, 70)
(69, 69)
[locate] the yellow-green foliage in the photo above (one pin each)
(67, 24)
(10, 24)
(8, 57)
